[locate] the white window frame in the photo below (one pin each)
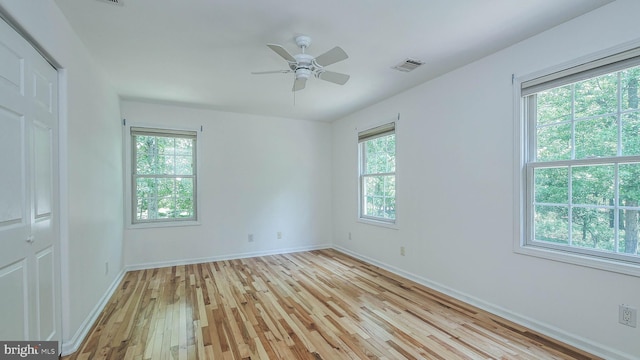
(372, 220)
(130, 199)
(523, 243)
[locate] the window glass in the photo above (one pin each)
(583, 167)
(378, 174)
(164, 176)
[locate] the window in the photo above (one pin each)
(163, 175)
(582, 159)
(377, 154)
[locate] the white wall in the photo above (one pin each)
(258, 175)
(91, 164)
(456, 193)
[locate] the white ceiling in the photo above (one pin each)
(201, 52)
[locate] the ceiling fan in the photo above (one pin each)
(304, 65)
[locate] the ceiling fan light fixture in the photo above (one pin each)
(302, 73)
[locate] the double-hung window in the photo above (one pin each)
(377, 168)
(582, 159)
(163, 175)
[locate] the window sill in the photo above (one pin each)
(620, 267)
(162, 224)
(393, 225)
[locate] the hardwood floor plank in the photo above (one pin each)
(317, 305)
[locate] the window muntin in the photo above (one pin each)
(377, 149)
(163, 175)
(583, 162)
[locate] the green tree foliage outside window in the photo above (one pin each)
(163, 176)
(378, 178)
(584, 164)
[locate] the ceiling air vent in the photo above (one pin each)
(114, 2)
(408, 65)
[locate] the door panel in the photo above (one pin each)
(15, 297)
(12, 176)
(11, 69)
(43, 88)
(42, 146)
(45, 285)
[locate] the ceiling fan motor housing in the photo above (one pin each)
(302, 61)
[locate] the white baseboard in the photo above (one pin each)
(161, 264)
(553, 332)
(71, 346)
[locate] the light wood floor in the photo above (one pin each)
(310, 305)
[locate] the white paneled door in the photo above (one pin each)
(29, 235)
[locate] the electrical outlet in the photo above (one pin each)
(279, 234)
(106, 268)
(349, 235)
(627, 315)
(402, 250)
(250, 237)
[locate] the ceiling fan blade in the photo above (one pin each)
(332, 56)
(271, 72)
(299, 84)
(282, 52)
(334, 77)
